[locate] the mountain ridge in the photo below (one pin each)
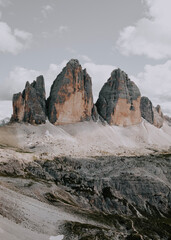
(71, 100)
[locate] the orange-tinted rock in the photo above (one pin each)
(119, 100)
(30, 106)
(71, 97)
(18, 107)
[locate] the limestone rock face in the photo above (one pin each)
(30, 105)
(71, 98)
(119, 100)
(147, 109)
(158, 117)
(152, 114)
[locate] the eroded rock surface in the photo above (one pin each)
(125, 196)
(119, 100)
(150, 113)
(146, 107)
(30, 105)
(71, 98)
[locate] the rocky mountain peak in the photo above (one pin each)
(30, 105)
(71, 98)
(119, 100)
(74, 63)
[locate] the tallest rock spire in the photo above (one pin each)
(71, 98)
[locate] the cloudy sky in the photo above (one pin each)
(40, 36)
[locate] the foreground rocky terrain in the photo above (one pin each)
(105, 197)
(59, 182)
(72, 169)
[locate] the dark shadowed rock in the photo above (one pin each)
(147, 109)
(30, 106)
(71, 98)
(151, 114)
(95, 115)
(119, 100)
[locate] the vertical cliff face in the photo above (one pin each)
(71, 98)
(158, 117)
(150, 113)
(119, 100)
(30, 105)
(147, 109)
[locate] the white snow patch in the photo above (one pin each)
(59, 237)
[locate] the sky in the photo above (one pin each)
(40, 37)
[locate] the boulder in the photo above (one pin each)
(71, 98)
(30, 105)
(119, 100)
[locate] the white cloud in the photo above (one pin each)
(75, 54)
(99, 74)
(13, 41)
(18, 77)
(155, 83)
(84, 58)
(62, 29)
(46, 10)
(5, 3)
(151, 35)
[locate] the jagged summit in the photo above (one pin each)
(119, 100)
(30, 105)
(73, 63)
(71, 100)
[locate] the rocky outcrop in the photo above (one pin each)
(158, 117)
(94, 114)
(119, 100)
(150, 113)
(129, 196)
(71, 98)
(30, 105)
(146, 107)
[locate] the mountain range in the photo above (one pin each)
(72, 169)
